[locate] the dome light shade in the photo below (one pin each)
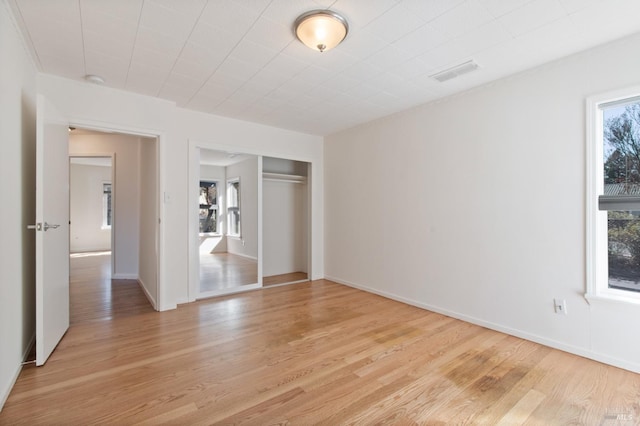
(321, 30)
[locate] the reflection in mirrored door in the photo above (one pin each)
(228, 221)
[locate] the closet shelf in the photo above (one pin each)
(279, 177)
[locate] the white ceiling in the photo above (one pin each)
(240, 58)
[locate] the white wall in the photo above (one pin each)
(99, 107)
(86, 209)
(247, 244)
(125, 194)
(209, 172)
(17, 186)
(475, 206)
(148, 220)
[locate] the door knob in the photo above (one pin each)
(49, 226)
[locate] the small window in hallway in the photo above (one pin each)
(106, 205)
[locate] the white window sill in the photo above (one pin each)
(615, 297)
(210, 234)
(104, 228)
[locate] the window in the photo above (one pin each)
(208, 200)
(106, 205)
(233, 207)
(613, 216)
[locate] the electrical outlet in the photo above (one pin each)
(560, 306)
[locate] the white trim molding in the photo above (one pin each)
(596, 220)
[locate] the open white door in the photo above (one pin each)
(52, 228)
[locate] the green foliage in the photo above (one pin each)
(624, 239)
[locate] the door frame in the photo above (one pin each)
(114, 189)
(160, 138)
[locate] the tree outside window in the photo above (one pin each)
(621, 139)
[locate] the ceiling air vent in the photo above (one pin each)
(456, 71)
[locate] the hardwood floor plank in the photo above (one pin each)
(94, 296)
(310, 353)
(169, 416)
(509, 370)
(523, 409)
(226, 270)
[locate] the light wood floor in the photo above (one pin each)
(225, 270)
(312, 353)
(94, 296)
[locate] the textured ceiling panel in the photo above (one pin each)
(241, 59)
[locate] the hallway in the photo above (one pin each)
(94, 296)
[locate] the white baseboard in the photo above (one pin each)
(4, 394)
(125, 276)
(168, 307)
(146, 293)
(576, 350)
(243, 255)
(182, 301)
(315, 277)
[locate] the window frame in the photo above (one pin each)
(230, 208)
(597, 265)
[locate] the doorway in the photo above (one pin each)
(119, 206)
(53, 141)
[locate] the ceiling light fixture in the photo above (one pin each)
(321, 30)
